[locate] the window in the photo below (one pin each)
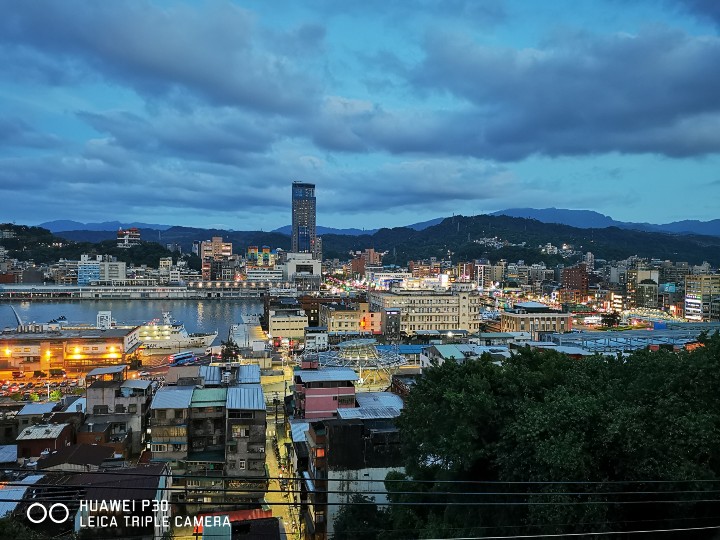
(160, 414)
(119, 408)
(158, 448)
(243, 415)
(132, 408)
(239, 431)
(241, 464)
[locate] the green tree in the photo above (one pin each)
(230, 351)
(360, 520)
(15, 529)
(610, 320)
(594, 437)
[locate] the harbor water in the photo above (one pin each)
(196, 315)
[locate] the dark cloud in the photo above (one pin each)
(15, 132)
(484, 13)
(216, 135)
(211, 52)
(703, 8)
(655, 92)
(428, 184)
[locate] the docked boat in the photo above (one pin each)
(168, 334)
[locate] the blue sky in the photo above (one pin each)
(203, 113)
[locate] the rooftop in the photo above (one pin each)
(248, 374)
(38, 408)
(8, 453)
(12, 495)
(136, 383)
(173, 397)
(41, 431)
(78, 454)
(110, 370)
(326, 374)
(246, 397)
(362, 413)
(209, 397)
(376, 400)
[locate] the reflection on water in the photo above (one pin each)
(197, 315)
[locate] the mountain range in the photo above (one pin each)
(583, 219)
(588, 219)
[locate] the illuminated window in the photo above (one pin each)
(319, 452)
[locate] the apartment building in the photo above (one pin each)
(701, 292)
(117, 409)
(319, 393)
(422, 309)
(350, 317)
(535, 318)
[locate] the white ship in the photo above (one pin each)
(171, 335)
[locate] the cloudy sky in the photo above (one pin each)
(203, 113)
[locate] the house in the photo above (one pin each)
(169, 416)
(76, 458)
(319, 393)
(352, 453)
(33, 413)
(41, 439)
(123, 403)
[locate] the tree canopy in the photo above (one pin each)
(547, 444)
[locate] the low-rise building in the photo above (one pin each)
(42, 439)
(535, 318)
(319, 393)
(123, 404)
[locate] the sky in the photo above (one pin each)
(202, 113)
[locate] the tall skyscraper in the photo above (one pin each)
(303, 218)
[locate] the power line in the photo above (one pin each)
(394, 480)
(565, 535)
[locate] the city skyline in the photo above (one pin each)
(202, 114)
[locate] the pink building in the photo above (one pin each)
(320, 393)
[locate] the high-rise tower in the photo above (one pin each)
(303, 218)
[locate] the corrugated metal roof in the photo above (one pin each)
(248, 374)
(136, 383)
(299, 430)
(73, 406)
(107, 370)
(361, 413)
(450, 351)
(41, 431)
(180, 372)
(379, 399)
(37, 408)
(209, 397)
(211, 374)
(11, 496)
(8, 453)
(173, 398)
(402, 349)
(247, 397)
(326, 374)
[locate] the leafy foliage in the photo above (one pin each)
(230, 351)
(361, 520)
(568, 446)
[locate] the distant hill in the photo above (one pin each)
(588, 219)
(321, 231)
(457, 236)
(62, 225)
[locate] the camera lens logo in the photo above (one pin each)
(57, 513)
